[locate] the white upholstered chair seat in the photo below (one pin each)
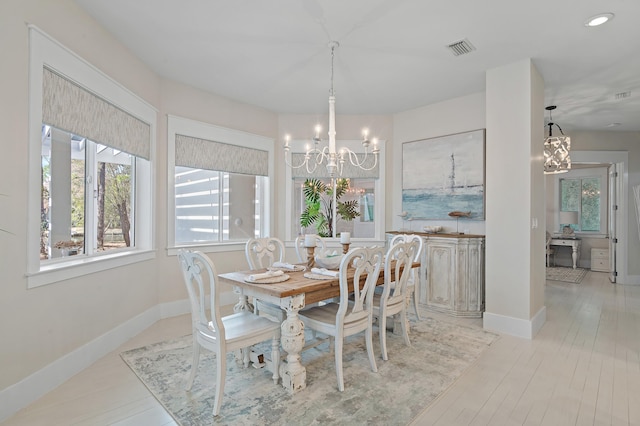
(323, 319)
(238, 327)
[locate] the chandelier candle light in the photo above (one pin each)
(334, 160)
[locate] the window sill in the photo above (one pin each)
(74, 268)
(209, 248)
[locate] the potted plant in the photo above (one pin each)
(318, 200)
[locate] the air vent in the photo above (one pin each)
(461, 47)
(622, 95)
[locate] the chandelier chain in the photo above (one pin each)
(331, 92)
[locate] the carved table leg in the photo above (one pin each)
(243, 302)
(292, 372)
(574, 255)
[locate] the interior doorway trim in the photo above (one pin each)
(620, 158)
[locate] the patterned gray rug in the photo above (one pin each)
(402, 388)
(570, 275)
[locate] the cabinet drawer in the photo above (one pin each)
(599, 264)
(599, 253)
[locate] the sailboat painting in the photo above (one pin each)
(444, 174)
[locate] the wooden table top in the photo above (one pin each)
(314, 290)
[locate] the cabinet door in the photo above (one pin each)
(441, 274)
(470, 286)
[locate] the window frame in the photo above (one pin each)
(45, 51)
(299, 146)
(184, 126)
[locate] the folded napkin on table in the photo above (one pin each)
(324, 271)
(265, 275)
(284, 265)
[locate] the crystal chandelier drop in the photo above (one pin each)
(315, 156)
(556, 149)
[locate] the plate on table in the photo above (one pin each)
(268, 280)
(295, 268)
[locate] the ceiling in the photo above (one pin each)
(393, 54)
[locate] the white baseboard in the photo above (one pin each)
(29, 389)
(518, 327)
(632, 280)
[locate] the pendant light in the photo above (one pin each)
(556, 149)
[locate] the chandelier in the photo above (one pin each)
(556, 149)
(335, 160)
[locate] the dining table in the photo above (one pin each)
(291, 295)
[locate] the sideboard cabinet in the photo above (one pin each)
(452, 273)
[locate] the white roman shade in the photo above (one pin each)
(348, 170)
(69, 107)
(210, 155)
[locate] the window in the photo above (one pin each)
(356, 207)
(87, 196)
(585, 191)
(90, 198)
(214, 206)
(364, 190)
(221, 185)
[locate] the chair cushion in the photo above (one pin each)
(243, 324)
(325, 313)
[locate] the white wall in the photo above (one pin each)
(514, 260)
(40, 325)
(49, 332)
(444, 118)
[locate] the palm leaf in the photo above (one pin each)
(348, 210)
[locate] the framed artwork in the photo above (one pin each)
(444, 175)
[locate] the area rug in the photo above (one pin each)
(570, 275)
(401, 389)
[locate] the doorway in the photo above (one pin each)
(614, 233)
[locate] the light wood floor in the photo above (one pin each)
(582, 368)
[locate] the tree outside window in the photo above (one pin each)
(86, 196)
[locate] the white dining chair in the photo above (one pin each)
(393, 299)
(219, 334)
(262, 253)
(416, 276)
(346, 318)
(301, 250)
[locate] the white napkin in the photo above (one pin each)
(284, 265)
(265, 275)
(325, 271)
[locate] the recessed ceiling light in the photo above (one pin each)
(613, 124)
(598, 19)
